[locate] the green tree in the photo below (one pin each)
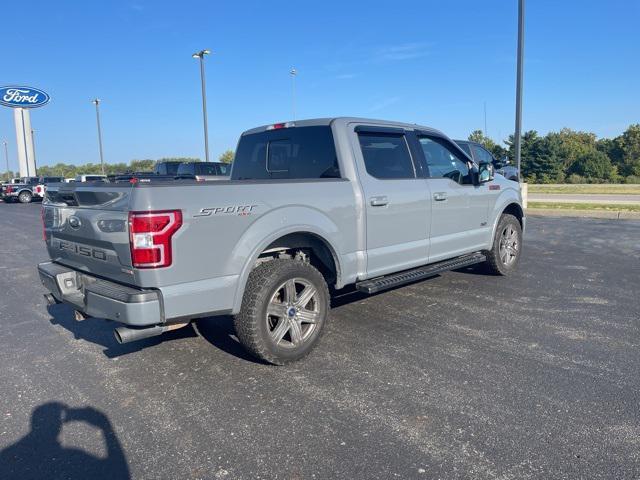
(594, 165)
(479, 137)
(629, 145)
(227, 157)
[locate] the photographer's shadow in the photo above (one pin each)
(39, 454)
(100, 332)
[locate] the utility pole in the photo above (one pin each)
(96, 102)
(6, 157)
(293, 72)
(201, 55)
(518, 133)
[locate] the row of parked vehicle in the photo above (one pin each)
(28, 189)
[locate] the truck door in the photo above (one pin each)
(459, 213)
(397, 202)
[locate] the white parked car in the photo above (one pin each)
(91, 178)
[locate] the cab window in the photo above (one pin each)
(444, 162)
(386, 156)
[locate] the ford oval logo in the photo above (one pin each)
(74, 222)
(23, 97)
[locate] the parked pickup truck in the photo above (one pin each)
(27, 189)
(311, 207)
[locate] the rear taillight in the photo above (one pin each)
(38, 189)
(150, 236)
(9, 189)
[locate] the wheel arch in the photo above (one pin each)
(315, 235)
(511, 207)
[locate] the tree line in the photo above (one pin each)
(68, 170)
(567, 156)
(570, 156)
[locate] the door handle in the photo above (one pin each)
(440, 196)
(379, 201)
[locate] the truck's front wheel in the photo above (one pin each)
(284, 310)
(505, 252)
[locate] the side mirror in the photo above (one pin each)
(486, 172)
(505, 160)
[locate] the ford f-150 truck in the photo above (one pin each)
(311, 207)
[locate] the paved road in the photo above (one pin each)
(585, 198)
(462, 376)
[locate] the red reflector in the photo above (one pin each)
(133, 180)
(150, 236)
(494, 187)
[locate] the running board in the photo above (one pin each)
(396, 279)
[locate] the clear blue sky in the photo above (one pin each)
(428, 62)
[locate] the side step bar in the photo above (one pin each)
(396, 279)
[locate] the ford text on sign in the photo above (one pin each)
(22, 97)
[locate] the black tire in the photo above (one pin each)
(505, 253)
(268, 290)
(25, 196)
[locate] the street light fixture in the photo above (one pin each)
(293, 72)
(200, 55)
(96, 102)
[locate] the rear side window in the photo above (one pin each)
(224, 168)
(386, 156)
(205, 168)
(185, 169)
(288, 153)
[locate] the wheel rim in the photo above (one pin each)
(24, 197)
(509, 245)
(293, 313)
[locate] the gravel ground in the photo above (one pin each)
(462, 376)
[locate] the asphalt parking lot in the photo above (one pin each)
(461, 376)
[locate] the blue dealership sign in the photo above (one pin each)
(23, 97)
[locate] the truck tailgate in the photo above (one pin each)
(86, 229)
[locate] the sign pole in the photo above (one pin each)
(6, 157)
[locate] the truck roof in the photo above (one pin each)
(344, 121)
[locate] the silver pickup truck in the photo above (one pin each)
(310, 206)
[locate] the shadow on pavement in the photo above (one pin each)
(100, 332)
(39, 454)
(220, 332)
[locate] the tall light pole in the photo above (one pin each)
(96, 102)
(293, 72)
(6, 157)
(200, 55)
(33, 140)
(518, 133)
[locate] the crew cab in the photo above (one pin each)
(311, 206)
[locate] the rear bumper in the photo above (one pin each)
(101, 298)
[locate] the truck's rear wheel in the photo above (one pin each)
(284, 311)
(25, 197)
(505, 252)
